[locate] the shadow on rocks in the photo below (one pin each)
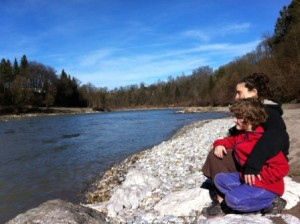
(208, 185)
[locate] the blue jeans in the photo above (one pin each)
(240, 196)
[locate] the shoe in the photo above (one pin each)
(216, 209)
(276, 207)
(213, 210)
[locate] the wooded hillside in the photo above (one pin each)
(32, 83)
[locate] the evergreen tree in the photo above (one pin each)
(24, 65)
(16, 69)
(289, 17)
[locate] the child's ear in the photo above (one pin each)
(246, 122)
(248, 125)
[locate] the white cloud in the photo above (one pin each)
(235, 28)
(111, 68)
(198, 34)
(206, 34)
(115, 49)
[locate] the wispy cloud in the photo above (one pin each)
(107, 67)
(234, 28)
(198, 34)
(117, 43)
(206, 34)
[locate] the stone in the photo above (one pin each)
(131, 192)
(59, 212)
(182, 203)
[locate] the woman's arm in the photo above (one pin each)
(274, 140)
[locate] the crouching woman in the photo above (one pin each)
(235, 194)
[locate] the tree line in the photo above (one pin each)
(278, 55)
(32, 83)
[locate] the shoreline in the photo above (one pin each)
(115, 175)
(113, 179)
(102, 199)
(54, 111)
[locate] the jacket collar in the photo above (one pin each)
(255, 134)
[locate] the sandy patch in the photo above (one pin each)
(291, 117)
(292, 120)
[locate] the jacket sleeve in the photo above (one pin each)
(275, 170)
(274, 140)
(228, 142)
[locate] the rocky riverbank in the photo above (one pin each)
(163, 184)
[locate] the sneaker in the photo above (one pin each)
(216, 209)
(213, 210)
(276, 207)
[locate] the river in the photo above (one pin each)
(49, 157)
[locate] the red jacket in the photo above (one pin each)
(274, 169)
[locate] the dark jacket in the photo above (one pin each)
(274, 140)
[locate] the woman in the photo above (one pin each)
(274, 140)
(234, 192)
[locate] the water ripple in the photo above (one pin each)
(71, 135)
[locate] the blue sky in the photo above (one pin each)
(114, 43)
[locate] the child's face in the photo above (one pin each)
(240, 124)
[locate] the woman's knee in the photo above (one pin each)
(214, 165)
(212, 157)
(226, 164)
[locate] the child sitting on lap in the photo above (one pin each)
(236, 195)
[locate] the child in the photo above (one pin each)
(234, 193)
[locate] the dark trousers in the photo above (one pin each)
(213, 165)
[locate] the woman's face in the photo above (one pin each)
(243, 92)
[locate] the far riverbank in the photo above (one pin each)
(10, 113)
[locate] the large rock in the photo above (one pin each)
(59, 212)
(129, 195)
(182, 203)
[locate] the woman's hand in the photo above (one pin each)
(219, 151)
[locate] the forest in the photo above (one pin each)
(26, 83)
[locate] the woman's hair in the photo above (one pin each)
(251, 110)
(260, 82)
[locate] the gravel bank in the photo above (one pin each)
(162, 184)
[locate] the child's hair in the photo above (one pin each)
(260, 82)
(251, 110)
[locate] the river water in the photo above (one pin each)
(49, 157)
